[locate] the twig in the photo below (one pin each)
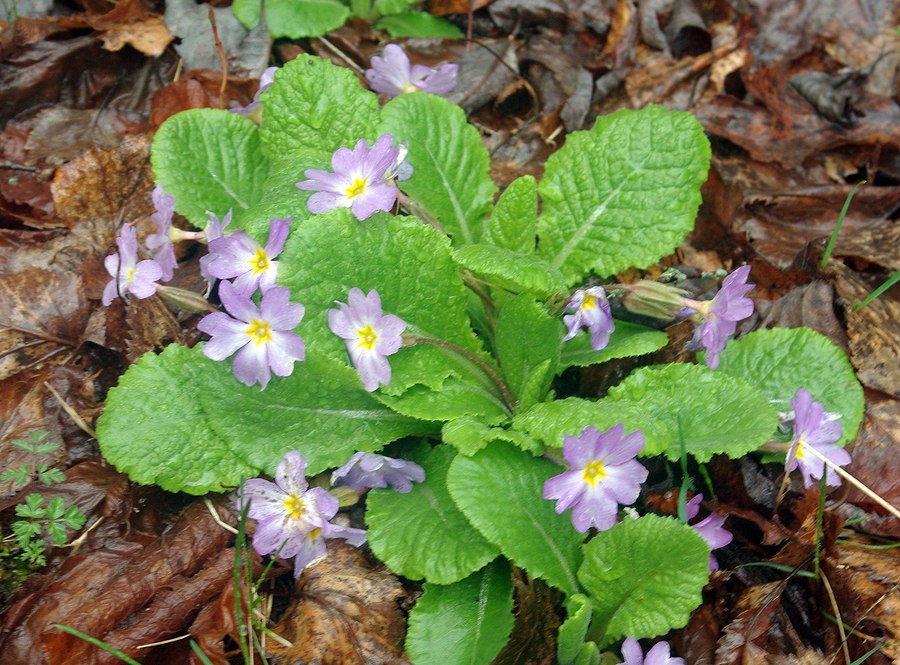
(161, 642)
(837, 614)
(215, 31)
(215, 516)
(39, 335)
(73, 414)
(343, 56)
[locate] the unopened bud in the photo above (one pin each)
(186, 300)
(653, 299)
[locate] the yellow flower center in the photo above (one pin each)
(799, 454)
(589, 301)
(312, 535)
(260, 261)
(367, 337)
(294, 506)
(593, 473)
(129, 276)
(409, 87)
(259, 331)
(357, 188)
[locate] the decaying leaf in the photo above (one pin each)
(533, 638)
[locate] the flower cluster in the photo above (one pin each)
(393, 75)
(590, 310)
(367, 471)
(603, 473)
(657, 655)
(710, 529)
(815, 433)
(361, 179)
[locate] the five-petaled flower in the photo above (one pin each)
(161, 241)
(393, 75)
(716, 320)
(812, 429)
(253, 110)
(591, 310)
(239, 256)
(128, 274)
(261, 336)
(603, 473)
(369, 334)
(657, 655)
(367, 470)
(291, 519)
(361, 180)
(710, 529)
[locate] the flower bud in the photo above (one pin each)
(660, 301)
(186, 300)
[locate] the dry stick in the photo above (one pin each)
(160, 643)
(837, 614)
(343, 56)
(40, 335)
(215, 516)
(853, 481)
(215, 30)
(73, 414)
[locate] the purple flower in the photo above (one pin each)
(813, 430)
(128, 274)
(603, 473)
(253, 110)
(161, 241)
(261, 336)
(393, 75)
(370, 335)
(658, 654)
(717, 319)
(292, 519)
(240, 256)
(214, 229)
(710, 529)
(366, 470)
(591, 311)
(361, 179)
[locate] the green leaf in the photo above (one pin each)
(450, 180)
(644, 576)
(50, 476)
(466, 623)
(57, 533)
(574, 629)
(387, 7)
(293, 18)
(627, 340)
(622, 194)
(182, 421)
(33, 507)
(422, 534)
(513, 224)
(511, 270)
(419, 24)
(469, 436)
(74, 518)
(331, 253)
(25, 531)
(778, 361)
(500, 490)
(718, 413)
(56, 508)
(209, 159)
(315, 105)
(528, 341)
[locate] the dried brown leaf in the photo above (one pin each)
(533, 637)
(809, 305)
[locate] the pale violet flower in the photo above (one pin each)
(812, 429)
(253, 110)
(367, 470)
(657, 655)
(361, 179)
(393, 75)
(710, 529)
(716, 320)
(603, 473)
(261, 336)
(128, 274)
(215, 229)
(239, 256)
(161, 241)
(292, 519)
(590, 310)
(369, 335)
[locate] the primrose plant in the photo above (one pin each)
(411, 309)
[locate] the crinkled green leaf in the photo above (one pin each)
(329, 254)
(315, 105)
(466, 623)
(628, 339)
(623, 194)
(422, 534)
(293, 18)
(570, 638)
(450, 180)
(419, 24)
(511, 270)
(469, 436)
(209, 159)
(718, 413)
(182, 421)
(527, 341)
(549, 422)
(500, 489)
(644, 576)
(781, 360)
(513, 224)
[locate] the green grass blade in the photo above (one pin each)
(837, 227)
(97, 643)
